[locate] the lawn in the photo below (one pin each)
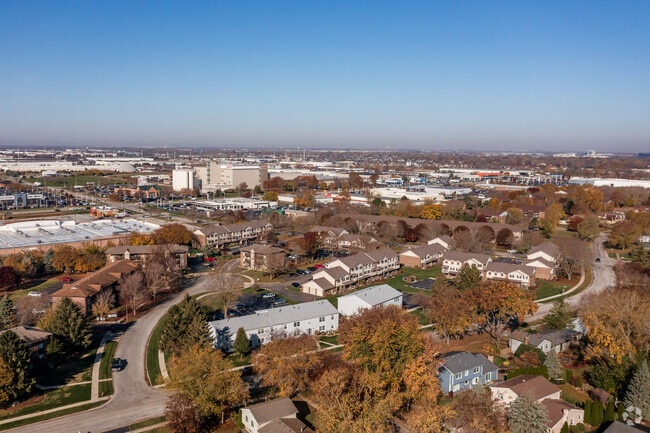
(583, 286)
(237, 361)
(545, 289)
(20, 294)
(76, 368)
(420, 274)
(52, 399)
(571, 394)
(56, 414)
(105, 388)
(147, 423)
(422, 317)
(153, 366)
(332, 339)
(107, 357)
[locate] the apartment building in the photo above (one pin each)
(144, 252)
(264, 258)
(545, 259)
(422, 257)
(452, 261)
(522, 275)
(292, 320)
(223, 235)
(382, 295)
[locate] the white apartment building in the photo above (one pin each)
(265, 325)
(377, 296)
(452, 261)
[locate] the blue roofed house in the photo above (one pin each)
(464, 370)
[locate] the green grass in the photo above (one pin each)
(422, 316)
(22, 293)
(420, 274)
(56, 414)
(240, 362)
(498, 360)
(545, 289)
(52, 399)
(107, 357)
(70, 181)
(147, 422)
(76, 368)
(153, 366)
(332, 339)
(106, 388)
(571, 394)
(584, 285)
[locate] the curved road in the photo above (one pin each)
(603, 278)
(134, 400)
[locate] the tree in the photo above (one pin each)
(515, 216)
(552, 363)
(610, 412)
(588, 228)
(270, 196)
(104, 302)
(547, 227)
(617, 323)
(597, 413)
(475, 411)
(505, 237)
(131, 291)
(69, 323)
(204, 375)
(6, 379)
(450, 312)
(7, 315)
(527, 416)
(431, 211)
(497, 303)
(226, 288)
(152, 273)
(588, 405)
(174, 233)
(242, 344)
(468, 277)
(185, 326)
(141, 239)
(559, 316)
(183, 415)
(48, 259)
(30, 309)
(565, 428)
(639, 254)
(638, 391)
(288, 363)
(15, 354)
(9, 279)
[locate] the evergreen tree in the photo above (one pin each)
(7, 314)
(70, 324)
(619, 410)
(597, 413)
(565, 428)
(185, 327)
(48, 259)
(527, 416)
(553, 365)
(559, 316)
(242, 345)
(15, 355)
(468, 278)
(610, 413)
(638, 391)
(588, 412)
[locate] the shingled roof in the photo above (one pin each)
(94, 282)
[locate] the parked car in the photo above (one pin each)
(319, 266)
(247, 371)
(116, 365)
(296, 284)
(312, 268)
(35, 294)
(268, 295)
(597, 259)
(512, 251)
(66, 280)
(279, 301)
(209, 259)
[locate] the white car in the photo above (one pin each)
(268, 295)
(512, 251)
(35, 294)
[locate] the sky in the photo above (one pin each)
(434, 75)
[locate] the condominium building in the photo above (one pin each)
(222, 235)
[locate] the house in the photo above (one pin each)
(328, 281)
(83, 291)
(452, 261)
(444, 240)
(292, 320)
(376, 296)
(539, 390)
(545, 259)
(621, 427)
(264, 258)
(329, 236)
(556, 340)
(532, 211)
(350, 242)
(464, 370)
(522, 275)
(220, 236)
(275, 416)
(144, 252)
(423, 256)
(36, 341)
(492, 215)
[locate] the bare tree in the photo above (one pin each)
(31, 309)
(575, 253)
(226, 288)
(131, 291)
(153, 274)
(103, 303)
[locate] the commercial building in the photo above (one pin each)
(20, 200)
(183, 179)
(292, 320)
(377, 296)
(217, 175)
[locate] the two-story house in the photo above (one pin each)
(522, 275)
(464, 370)
(452, 261)
(545, 259)
(275, 416)
(422, 257)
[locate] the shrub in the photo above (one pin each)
(523, 348)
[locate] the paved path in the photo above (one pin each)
(162, 364)
(45, 412)
(582, 280)
(94, 388)
(66, 385)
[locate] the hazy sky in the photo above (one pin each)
(546, 75)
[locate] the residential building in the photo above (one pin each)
(542, 391)
(36, 341)
(446, 241)
(327, 281)
(452, 261)
(545, 259)
(422, 257)
(625, 427)
(291, 320)
(556, 340)
(354, 243)
(522, 275)
(219, 236)
(83, 291)
(531, 211)
(376, 296)
(144, 252)
(264, 258)
(329, 236)
(464, 370)
(275, 416)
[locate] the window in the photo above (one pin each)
(296, 324)
(475, 381)
(321, 319)
(579, 417)
(260, 331)
(321, 328)
(284, 326)
(466, 372)
(246, 418)
(488, 377)
(458, 375)
(455, 388)
(476, 369)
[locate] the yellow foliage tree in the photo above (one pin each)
(140, 239)
(431, 211)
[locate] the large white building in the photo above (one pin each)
(217, 175)
(183, 178)
(377, 296)
(264, 325)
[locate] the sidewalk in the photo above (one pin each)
(582, 280)
(94, 388)
(55, 409)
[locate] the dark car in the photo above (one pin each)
(597, 259)
(312, 268)
(116, 365)
(296, 284)
(279, 301)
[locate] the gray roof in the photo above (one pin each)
(457, 362)
(265, 412)
(621, 427)
(277, 316)
(548, 247)
(542, 260)
(262, 249)
(432, 249)
(556, 337)
(374, 295)
(463, 256)
(507, 268)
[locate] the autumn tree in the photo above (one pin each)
(69, 324)
(468, 278)
(431, 211)
(288, 363)
(515, 216)
(6, 379)
(131, 291)
(450, 312)
(184, 326)
(208, 378)
(527, 416)
(153, 270)
(588, 228)
(141, 239)
(226, 289)
(183, 415)
(475, 411)
(174, 233)
(15, 354)
(65, 257)
(505, 237)
(30, 309)
(104, 303)
(617, 323)
(9, 278)
(496, 303)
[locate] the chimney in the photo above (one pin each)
(526, 339)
